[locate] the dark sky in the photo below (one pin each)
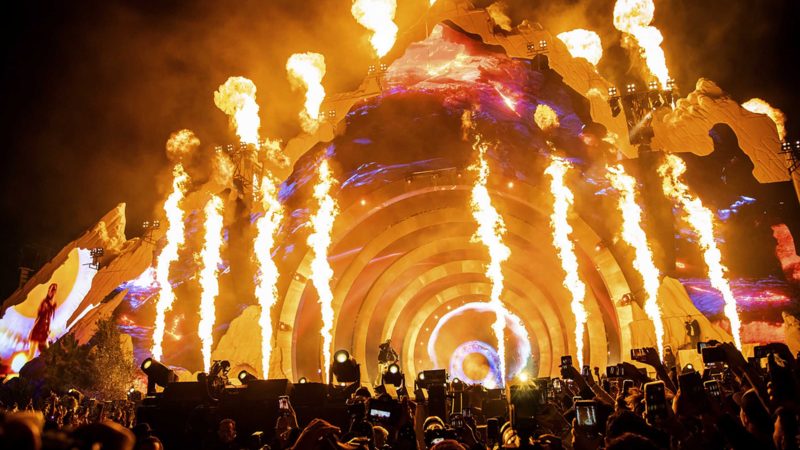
(93, 89)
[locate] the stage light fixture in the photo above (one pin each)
(612, 91)
(393, 375)
(631, 88)
(302, 380)
(543, 45)
(246, 377)
(157, 374)
(428, 378)
(345, 368)
(653, 85)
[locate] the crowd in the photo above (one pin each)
(731, 403)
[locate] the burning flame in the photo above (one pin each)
(210, 259)
(306, 71)
(237, 98)
(497, 11)
(566, 251)
(169, 254)
(378, 17)
(267, 278)
(583, 44)
(320, 240)
(545, 117)
(635, 236)
(491, 229)
(701, 219)
(180, 144)
(634, 17)
(758, 106)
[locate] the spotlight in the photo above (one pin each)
(246, 377)
(302, 380)
(157, 374)
(653, 85)
(543, 45)
(457, 385)
(345, 368)
(393, 375)
(428, 378)
(631, 88)
(612, 91)
(531, 47)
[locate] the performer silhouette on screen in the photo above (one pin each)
(41, 327)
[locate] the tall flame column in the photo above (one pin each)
(210, 259)
(321, 272)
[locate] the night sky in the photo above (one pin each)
(93, 89)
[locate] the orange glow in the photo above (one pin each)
(758, 106)
(320, 241)
(583, 44)
(634, 17)
(169, 254)
(634, 235)
(237, 98)
(559, 222)
(267, 227)
(305, 72)
(18, 361)
(378, 17)
(701, 219)
(545, 117)
(210, 259)
(497, 11)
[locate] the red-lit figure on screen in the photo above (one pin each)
(41, 327)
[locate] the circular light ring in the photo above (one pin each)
(341, 356)
(456, 367)
(513, 324)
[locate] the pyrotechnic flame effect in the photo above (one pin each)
(169, 254)
(559, 222)
(491, 229)
(237, 98)
(305, 72)
(319, 241)
(545, 117)
(497, 11)
(267, 278)
(378, 17)
(758, 106)
(210, 259)
(635, 236)
(701, 219)
(583, 44)
(181, 143)
(634, 17)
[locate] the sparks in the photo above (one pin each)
(237, 98)
(267, 277)
(758, 106)
(305, 72)
(378, 17)
(320, 240)
(545, 117)
(210, 259)
(633, 17)
(563, 199)
(701, 219)
(169, 254)
(491, 230)
(634, 235)
(583, 44)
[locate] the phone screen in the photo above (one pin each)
(379, 413)
(655, 400)
(713, 389)
(586, 415)
(283, 403)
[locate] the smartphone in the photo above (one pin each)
(713, 354)
(283, 403)
(466, 412)
(713, 389)
(586, 372)
(626, 387)
(638, 354)
(379, 414)
(701, 346)
(655, 401)
(611, 372)
(586, 414)
(691, 385)
(558, 385)
(457, 421)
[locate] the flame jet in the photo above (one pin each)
(210, 259)
(267, 227)
(559, 223)
(378, 17)
(169, 254)
(320, 241)
(635, 236)
(491, 230)
(633, 17)
(701, 219)
(583, 44)
(305, 72)
(759, 106)
(237, 98)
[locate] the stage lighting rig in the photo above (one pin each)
(393, 375)
(792, 152)
(639, 105)
(428, 378)
(157, 375)
(246, 377)
(345, 368)
(148, 226)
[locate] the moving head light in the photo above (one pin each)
(157, 375)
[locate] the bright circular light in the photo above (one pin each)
(18, 361)
(421, 376)
(523, 377)
(456, 381)
(394, 368)
(243, 375)
(147, 363)
(302, 380)
(341, 356)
